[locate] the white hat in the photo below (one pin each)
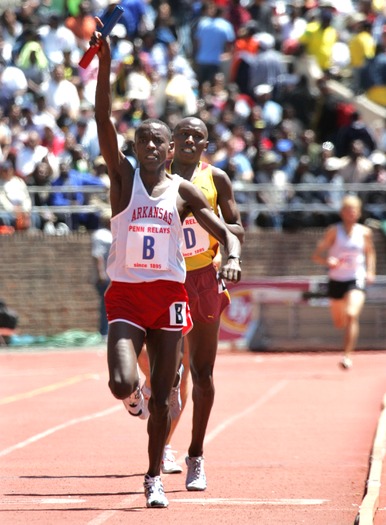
(262, 89)
(119, 31)
(378, 158)
(266, 41)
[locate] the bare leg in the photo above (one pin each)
(338, 313)
(203, 341)
(184, 388)
(143, 362)
(124, 344)
(355, 300)
(164, 358)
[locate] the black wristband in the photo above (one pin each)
(234, 257)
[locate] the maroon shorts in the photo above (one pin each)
(208, 295)
(149, 306)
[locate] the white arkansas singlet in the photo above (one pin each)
(148, 237)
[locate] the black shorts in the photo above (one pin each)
(338, 289)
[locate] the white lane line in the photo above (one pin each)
(63, 426)
(105, 516)
(48, 388)
(275, 389)
(246, 501)
(370, 502)
(40, 501)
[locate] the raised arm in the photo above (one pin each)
(192, 200)
(119, 168)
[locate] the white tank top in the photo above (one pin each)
(148, 237)
(349, 249)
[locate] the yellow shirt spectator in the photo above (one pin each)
(318, 41)
(362, 47)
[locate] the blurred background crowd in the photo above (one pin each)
(257, 72)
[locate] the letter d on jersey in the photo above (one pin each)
(190, 238)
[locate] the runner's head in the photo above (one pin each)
(152, 143)
(190, 138)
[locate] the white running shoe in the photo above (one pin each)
(135, 404)
(146, 392)
(175, 402)
(169, 464)
(346, 363)
(154, 492)
(195, 477)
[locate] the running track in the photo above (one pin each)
(289, 443)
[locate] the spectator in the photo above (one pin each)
(33, 61)
(30, 153)
(134, 12)
(240, 164)
(375, 201)
(165, 24)
(13, 84)
(262, 12)
(237, 14)
(319, 38)
(356, 166)
(362, 48)
(15, 202)
(56, 39)
(178, 94)
(272, 112)
(267, 67)
(42, 116)
(12, 29)
(41, 177)
(120, 45)
(60, 92)
(330, 174)
(325, 117)
(71, 69)
(274, 197)
(213, 42)
(292, 28)
(302, 98)
(245, 49)
(356, 129)
(82, 25)
(72, 177)
(286, 148)
(373, 74)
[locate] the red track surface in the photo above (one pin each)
(289, 443)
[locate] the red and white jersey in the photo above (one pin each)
(148, 237)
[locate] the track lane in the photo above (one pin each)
(288, 442)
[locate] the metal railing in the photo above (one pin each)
(70, 208)
(246, 195)
(248, 191)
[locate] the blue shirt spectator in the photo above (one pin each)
(213, 37)
(71, 177)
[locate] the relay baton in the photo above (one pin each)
(109, 23)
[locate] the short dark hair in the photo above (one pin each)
(150, 121)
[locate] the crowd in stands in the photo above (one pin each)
(257, 72)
